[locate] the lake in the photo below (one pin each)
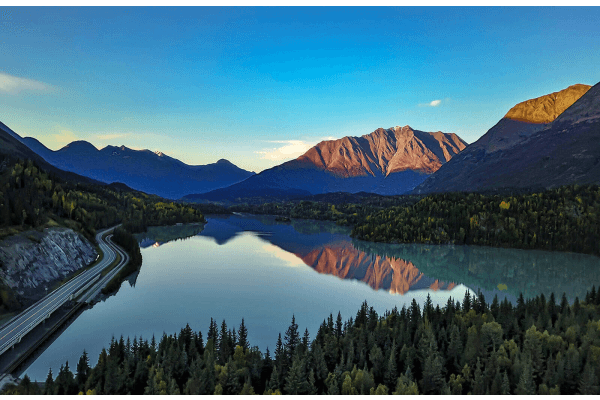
(265, 271)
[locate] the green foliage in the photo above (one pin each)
(564, 219)
(33, 198)
(506, 358)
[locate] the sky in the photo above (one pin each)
(259, 86)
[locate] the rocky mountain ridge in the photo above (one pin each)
(519, 152)
(386, 161)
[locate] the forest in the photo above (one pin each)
(32, 198)
(537, 346)
(563, 219)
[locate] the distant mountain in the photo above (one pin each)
(386, 161)
(11, 145)
(545, 142)
(144, 170)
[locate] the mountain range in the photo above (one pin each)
(542, 143)
(143, 170)
(386, 161)
(11, 146)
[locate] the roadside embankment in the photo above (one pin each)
(32, 261)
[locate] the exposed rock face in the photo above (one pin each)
(521, 152)
(385, 151)
(29, 265)
(545, 109)
(386, 161)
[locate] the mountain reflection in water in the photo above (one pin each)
(328, 249)
(323, 246)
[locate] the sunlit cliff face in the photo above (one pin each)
(385, 151)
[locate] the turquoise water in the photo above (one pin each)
(255, 268)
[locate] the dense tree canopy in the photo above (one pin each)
(538, 346)
(565, 219)
(32, 198)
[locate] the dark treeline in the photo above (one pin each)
(33, 198)
(342, 208)
(564, 219)
(538, 346)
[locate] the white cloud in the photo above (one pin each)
(15, 85)
(433, 103)
(290, 149)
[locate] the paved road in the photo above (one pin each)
(97, 286)
(20, 325)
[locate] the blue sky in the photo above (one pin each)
(261, 85)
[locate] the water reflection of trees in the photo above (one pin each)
(530, 272)
(164, 234)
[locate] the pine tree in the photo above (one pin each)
(526, 385)
(83, 370)
(588, 384)
(332, 384)
(247, 389)
(505, 390)
(292, 339)
(391, 373)
(49, 386)
(406, 386)
(466, 304)
(295, 380)
(223, 349)
(479, 386)
(338, 325)
(243, 336)
(279, 353)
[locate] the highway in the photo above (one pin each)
(12, 332)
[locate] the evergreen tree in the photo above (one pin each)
(526, 384)
(243, 336)
(295, 380)
(49, 385)
(292, 339)
(588, 384)
(83, 369)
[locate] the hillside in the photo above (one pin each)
(523, 153)
(144, 170)
(386, 161)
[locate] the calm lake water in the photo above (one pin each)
(255, 268)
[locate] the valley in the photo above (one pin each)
(299, 201)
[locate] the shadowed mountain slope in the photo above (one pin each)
(524, 153)
(144, 170)
(386, 161)
(11, 146)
